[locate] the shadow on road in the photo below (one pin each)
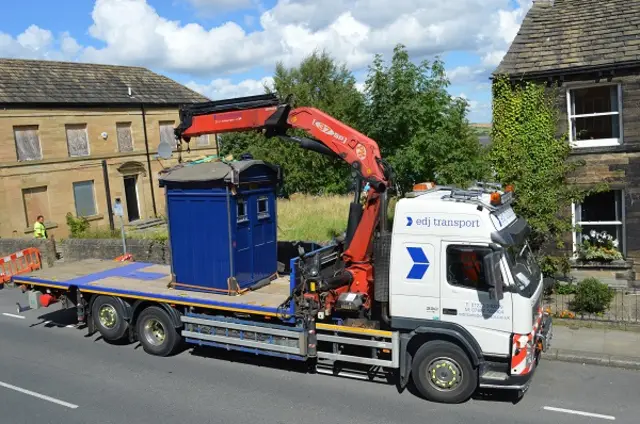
(248, 359)
(57, 318)
(502, 396)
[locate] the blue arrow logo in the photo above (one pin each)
(409, 221)
(420, 263)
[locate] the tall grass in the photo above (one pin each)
(302, 217)
(312, 218)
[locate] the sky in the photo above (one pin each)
(229, 48)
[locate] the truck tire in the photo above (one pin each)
(156, 332)
(442, 372)
(108, 316)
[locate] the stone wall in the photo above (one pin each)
(45, 187)
(47, 248)
(142, 250)
(617, 166)
(618, 274)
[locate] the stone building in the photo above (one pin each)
(74, 137)
(592, 50)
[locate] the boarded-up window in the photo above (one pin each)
(84, 197)
(36, 202)
(202, 140)
(167, 135)
(125, 139)
(77, 140)
(27, 142)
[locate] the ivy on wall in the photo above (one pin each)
(527, 152)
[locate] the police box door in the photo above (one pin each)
(265, 255)
(243, 261)
(256, 251)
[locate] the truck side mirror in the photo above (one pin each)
(494, 275)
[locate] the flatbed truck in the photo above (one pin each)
(450, 297)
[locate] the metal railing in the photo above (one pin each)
(623, 308)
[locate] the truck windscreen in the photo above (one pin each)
(525, 269)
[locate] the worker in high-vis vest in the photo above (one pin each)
(39, 230)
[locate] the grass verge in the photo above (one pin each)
(301, 217)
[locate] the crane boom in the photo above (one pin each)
(265, 113)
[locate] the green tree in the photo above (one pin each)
(527, 152)
(317, 82)
(421, 129)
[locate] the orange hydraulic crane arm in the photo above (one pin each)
(266, 113)
(329, 136)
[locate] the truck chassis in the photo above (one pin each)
(444, 362)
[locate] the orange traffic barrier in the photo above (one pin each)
(21, 262)
(123, 258)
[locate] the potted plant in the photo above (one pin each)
(599, 247)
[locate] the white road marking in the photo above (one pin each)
(13, 316)
(38, 395)
(584, 414)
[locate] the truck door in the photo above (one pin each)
(465, 298)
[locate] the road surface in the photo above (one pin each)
(53, 373)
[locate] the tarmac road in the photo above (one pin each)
(54, 374)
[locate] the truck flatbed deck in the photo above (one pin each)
(147, 281)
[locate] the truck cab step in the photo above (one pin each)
(495, 376)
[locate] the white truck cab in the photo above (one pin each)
(460, 260)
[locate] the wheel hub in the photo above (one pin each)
(154, 332)
(107, 316)
(444, 374)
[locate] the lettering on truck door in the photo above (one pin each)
(465, 297)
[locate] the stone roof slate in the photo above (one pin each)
(564, 35)
(67, 83)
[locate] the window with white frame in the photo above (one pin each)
(599, 217)
(595, 115)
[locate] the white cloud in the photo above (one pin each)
(69, 45)
(38, 43)
(224, 88)
(350, 30)
(35, 38)
(466, 74)
(473, 104)
(220, 4)
(133, 32)
(493, 58)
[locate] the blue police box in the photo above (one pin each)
(222, 224)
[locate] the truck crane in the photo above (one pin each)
(352, 288)
(449, 297)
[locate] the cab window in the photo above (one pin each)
(465, 267)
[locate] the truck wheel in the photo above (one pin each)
(156, 332)
(442, 372)
(108, 316)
